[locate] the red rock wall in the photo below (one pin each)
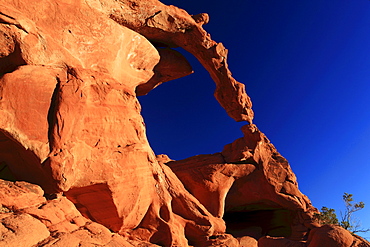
(70, 111)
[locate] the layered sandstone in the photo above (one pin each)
(73, 140)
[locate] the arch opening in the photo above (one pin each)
(183, 118)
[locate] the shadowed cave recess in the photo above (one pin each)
(17, 162)
(258, 223)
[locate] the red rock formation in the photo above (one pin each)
(330, 235)
(173, 27)
(54, 223)
(20, 195)
(19, 230)
(70, 123)
(172, 65)
(359, 241)
(249, 177)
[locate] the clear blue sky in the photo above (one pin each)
(306, 67)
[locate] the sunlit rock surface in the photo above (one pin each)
(76, 168)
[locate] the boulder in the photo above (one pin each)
(247, 241)
(20, 195)
(58, 214)
(329, 235)
(225, 240)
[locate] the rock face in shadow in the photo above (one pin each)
(73, 141)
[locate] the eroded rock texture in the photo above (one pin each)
(73, 139)
(252, 185)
